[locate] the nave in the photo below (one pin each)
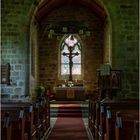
(72, 120)
(79, 50)
(69, 120)
(35, 121)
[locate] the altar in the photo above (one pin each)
(69, 93)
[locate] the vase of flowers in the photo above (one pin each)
(41, 90)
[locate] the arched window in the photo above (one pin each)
(70, 46)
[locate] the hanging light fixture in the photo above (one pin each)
(51, 31)
(64, 29)
(81, 32)
(70, 27)
(87, 33)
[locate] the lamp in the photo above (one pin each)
(81, 32)
(51, 31)
(87, 33)
(64, 29)
(70, 27)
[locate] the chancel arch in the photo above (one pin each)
(95, 46)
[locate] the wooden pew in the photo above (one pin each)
(42, 117)
(90, 108)
(43, 109)
(37, 116)
(127, 130)
(36, 120)
(6, 130)
(97, 120)
(129, 114)
(94, 122)
(136, 130)
(92, 115)
(28, 115)
(16, 120)
(94, 119)
(102, 124)
(97, 114)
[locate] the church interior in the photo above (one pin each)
(69, 70)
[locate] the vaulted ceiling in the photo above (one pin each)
(49, 5)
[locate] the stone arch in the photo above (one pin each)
(97, 6)
(45, 7)
(108, 36)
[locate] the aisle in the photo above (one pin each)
(69, 124)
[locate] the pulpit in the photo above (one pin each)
(69, 93)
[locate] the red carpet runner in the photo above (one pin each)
(69, 124)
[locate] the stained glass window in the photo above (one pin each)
(76, 47)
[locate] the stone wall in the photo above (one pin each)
(15, 45)
(92, 46)
(125, 43)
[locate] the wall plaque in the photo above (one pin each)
(5, 74)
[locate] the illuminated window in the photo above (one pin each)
(71, 41)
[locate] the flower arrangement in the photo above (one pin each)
(41, 90)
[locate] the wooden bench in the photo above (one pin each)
(37, 116)
(6, 128)
(101, 126)
(16, 120)
(128, 130)
(28, 114)
(91, 118)
(43, 109)
(130, 113)
(94, 110)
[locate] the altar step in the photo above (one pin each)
(54, 110)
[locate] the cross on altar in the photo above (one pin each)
(70, 55)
